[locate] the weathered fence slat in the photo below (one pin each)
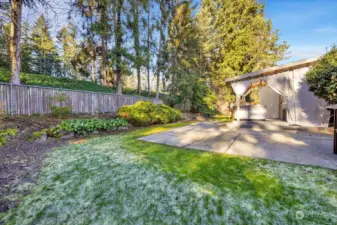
(28, 100)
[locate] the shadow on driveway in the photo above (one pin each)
(258, 140)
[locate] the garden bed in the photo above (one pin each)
(21, 159)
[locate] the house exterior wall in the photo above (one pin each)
(271, 100)
(309, 109)
(303, 107)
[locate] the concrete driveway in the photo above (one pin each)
(258, 140)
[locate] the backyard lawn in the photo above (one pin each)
(118, 179)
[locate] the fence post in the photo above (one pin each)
(11, 99)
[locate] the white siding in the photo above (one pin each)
(271, 100)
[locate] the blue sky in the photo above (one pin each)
(309, 26)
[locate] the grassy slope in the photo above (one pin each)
(120, 180)
(66, 83)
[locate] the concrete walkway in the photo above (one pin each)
(258, 140)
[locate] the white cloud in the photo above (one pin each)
(326, 29)
(299, 52)
(307, 51)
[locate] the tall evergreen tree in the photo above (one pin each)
(26, 48)
(161, 26)
(103, 28)
(67, 39)
(134, 22)
(183, 47)
(44, 52)
(236, 39)
(88, 10)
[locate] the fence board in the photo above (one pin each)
(28, 100)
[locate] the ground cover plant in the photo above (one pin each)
(86, 126)
(5, 134)
(56, 82)
(144, 113)
(121, 180)
(67, 83)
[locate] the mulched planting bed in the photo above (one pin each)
(20, 164)
(21, 160)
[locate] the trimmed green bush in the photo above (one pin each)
(144, 113)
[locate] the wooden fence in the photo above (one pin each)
(28, 100)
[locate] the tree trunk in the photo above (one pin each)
(118, 41)
(164, 83)
(137, 47)
(15, 36)
(102, 64)
(158, 64)
(93, 69)
(93, 52)
(139, 88)
(157, 85)
(148, 49)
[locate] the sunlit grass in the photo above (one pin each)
(121, 180)
(222, 118)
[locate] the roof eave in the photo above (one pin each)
(274, 70)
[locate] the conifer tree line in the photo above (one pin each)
(188, 47)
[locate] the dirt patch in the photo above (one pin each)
(19, 168)
(20, 160)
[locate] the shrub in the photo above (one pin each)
(54, 132)
(4, 134)
(203, 100)
(61, 111)
(322, 77)
(144, 113)
(85, 127)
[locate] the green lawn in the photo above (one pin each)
(120, 180)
